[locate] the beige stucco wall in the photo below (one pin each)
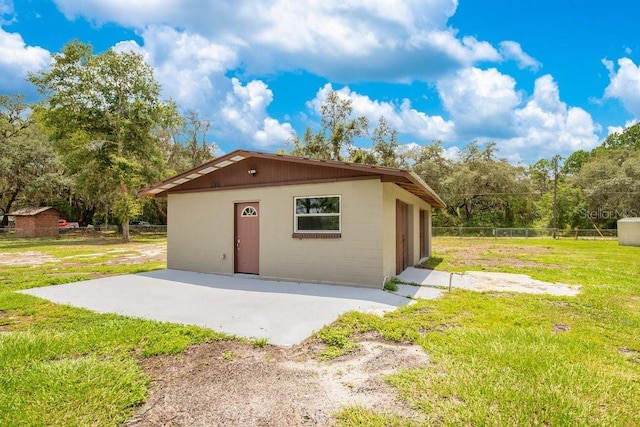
(629, 232)
(391, 192)
(201, 233)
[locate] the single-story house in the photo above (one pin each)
(629, 231)
(300, 219)
(36, 222)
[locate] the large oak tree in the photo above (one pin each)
(30, 172)
(105, 114)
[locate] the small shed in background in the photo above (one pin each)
(36, 222)
(629, 231)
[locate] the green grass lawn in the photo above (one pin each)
(496, 358)
(67, 366)
(515, 359)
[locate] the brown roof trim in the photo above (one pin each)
(438, 202)
(276, 184)
(31, 211)
(419, 188)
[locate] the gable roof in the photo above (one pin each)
(30, 211)
(406, 179)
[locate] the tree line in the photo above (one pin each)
(102, 132)
(585, 190)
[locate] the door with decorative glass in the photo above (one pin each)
(247, 238)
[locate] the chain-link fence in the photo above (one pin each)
(93, 230)
(524, 232)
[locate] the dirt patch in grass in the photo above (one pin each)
(631, 355)
(495, 255)
(128, 254)
(125, 255)
(235, 384)
(143, 254)
(560, 328)
(26, 258)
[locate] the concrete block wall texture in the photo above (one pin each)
(201, 232)
(629, 232)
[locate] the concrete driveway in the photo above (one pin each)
(284, 313)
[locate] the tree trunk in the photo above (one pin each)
(126, 235)
(86, 215)
(7, 208)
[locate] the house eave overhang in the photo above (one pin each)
(403, 178)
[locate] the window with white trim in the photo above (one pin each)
(249, 211)
(317, 214)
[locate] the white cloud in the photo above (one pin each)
(480, 101)
(191, 70)
(244, 116)
(17, 59)
(614, 129)
(625, 84)
(403, 117)
(343, 40)
(547, 126)
(485, 106)
(452, 153)
(6, 8)
(396, 40)
(620, 129)
(546, 95)
(511, 50)
(134, 13)
(272, 133)
(189, 67)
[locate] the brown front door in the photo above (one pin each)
(247, 236)
(402, 236)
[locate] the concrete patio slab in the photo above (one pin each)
(422, 276)
(284, 313)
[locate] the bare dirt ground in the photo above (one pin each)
(482, 281)
(233, 384)
(26, 258)
(514, 255)
(128, 254)
(230, 383)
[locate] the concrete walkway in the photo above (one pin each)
(284, 313)
(430, 282)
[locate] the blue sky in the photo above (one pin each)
(537, 77)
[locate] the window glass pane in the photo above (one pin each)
(317, 205)
(249, 211)
(319, 223)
